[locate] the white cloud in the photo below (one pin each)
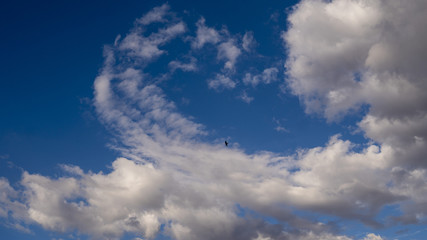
(347, 53)
(372, 236)
(261, 237)
(227, 49)
(279, 127)
(323, 236)
(197, 184)
(373, 56)
(205, 35)
(171, 177)
(268, 76)
(157, 14)
(248, 42)
(148, 47)
(186, 67)
(220, 82)
(245, 98)
(230, 52)
(325, 181)
(102, 205)
(328, 42)
(11, 207)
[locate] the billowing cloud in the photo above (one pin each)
(170, 181)
(347, 53)
(102, 205)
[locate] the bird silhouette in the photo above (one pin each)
(226, 143)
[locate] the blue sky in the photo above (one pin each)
(114, 117)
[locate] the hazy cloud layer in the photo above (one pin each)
(198, 190)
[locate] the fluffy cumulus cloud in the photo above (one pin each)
(102, 205)
(342, 54)
(345, 54)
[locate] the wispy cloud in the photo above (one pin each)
(156, 15)
(147, 47)
(186, 67)
(246, 98)
(221, 82)
(279, 127)
(248, 41)
(205, 35)
(268, 76)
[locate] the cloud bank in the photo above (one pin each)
(343, 55)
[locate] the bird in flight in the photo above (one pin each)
(226, 143)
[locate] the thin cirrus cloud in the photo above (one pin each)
(190, 66)
(169, 181)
